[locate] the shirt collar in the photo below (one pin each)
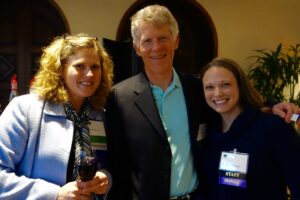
(174, 84)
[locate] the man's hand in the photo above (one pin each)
(286, 110)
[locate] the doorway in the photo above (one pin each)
(26, 26)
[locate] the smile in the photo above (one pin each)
(220, 101)
(158, 56)
(86, 83)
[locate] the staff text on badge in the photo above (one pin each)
(233, 169)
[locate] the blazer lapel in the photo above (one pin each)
(145, 102)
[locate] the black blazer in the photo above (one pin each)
(139, 154)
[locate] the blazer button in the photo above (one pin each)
(167, 148)
(166, 177)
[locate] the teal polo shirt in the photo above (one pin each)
(172, 108)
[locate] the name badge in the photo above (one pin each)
(98, 135)
(233, 168)
(295, 117)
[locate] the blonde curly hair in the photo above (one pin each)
(48, 83)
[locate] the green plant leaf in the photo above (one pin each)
(274, 71)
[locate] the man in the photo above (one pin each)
(154, 118)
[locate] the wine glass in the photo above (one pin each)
(87, 167)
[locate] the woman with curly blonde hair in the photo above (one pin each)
(53, 142)
(48, 82)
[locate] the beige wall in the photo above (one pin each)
(97, 17)
(245, 25)
(241, 25)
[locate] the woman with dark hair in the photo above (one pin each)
(247, 153)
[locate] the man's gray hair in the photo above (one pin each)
(157, 15)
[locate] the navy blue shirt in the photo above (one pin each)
(274, 157)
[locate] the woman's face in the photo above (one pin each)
(82, 75)
(221, 91)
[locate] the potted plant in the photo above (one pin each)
(275, 74)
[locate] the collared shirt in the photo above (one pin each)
(172, 108)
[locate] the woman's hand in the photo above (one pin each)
(82, 190)
(98, 185)
(71, 191)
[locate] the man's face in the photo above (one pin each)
(156, 47)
